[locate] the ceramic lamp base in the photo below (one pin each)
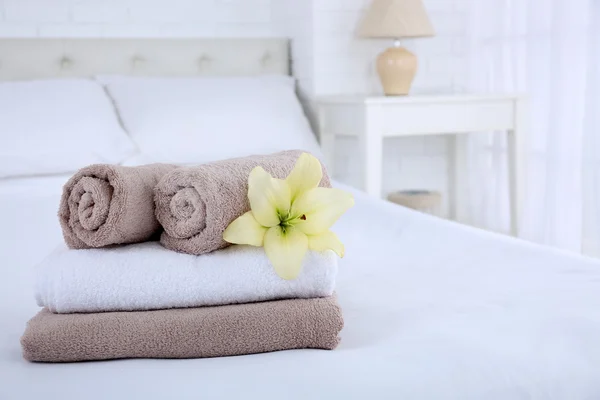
(397, 68)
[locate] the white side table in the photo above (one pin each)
(372, 119)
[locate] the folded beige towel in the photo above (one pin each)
(185, 332)
(195, 204)
(110, 204)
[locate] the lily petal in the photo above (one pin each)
(326, 241)
(307, 174)
(245, 229)
(286, 250)
(319, 208)
(269, 197)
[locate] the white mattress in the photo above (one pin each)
(433, 310)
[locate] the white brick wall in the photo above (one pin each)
(135, 18)
(35, 11)
(295, 19)
(340, 62)
(327, 56)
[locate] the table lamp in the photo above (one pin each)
(396, 19)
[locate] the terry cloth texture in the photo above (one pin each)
(146, 276)
(104, 204)
(184, 333)
(195, 204)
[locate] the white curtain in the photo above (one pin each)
(550, 51)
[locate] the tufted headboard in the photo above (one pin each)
(22, 59)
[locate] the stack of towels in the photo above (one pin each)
(115, 292)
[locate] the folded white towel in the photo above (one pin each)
(147, 276)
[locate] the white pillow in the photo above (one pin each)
(195, 120)
(57, 126)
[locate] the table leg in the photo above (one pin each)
(371, 146)
(453, 168)
(457, 171)
(517, 151)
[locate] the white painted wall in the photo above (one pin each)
(328, 58)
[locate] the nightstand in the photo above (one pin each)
(372, 119)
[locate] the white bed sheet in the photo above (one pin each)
(433, 310)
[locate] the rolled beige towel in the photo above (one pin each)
(195, 204)
(102, 205)
(184, 333)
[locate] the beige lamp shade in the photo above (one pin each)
(396, 19)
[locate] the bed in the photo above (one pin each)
(433, 309)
